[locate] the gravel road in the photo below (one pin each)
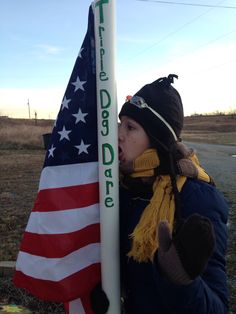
(219, 162)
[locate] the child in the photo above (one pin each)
(173, 220)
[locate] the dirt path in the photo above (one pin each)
(19, 177)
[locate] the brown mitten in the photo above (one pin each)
(195, 243)
(184, 257)
(167, 257)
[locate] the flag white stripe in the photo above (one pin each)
(76, 307)
(63, 221)
(69, 175)
(56, 269)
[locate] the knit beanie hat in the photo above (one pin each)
(158, 108)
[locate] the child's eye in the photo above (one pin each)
(130, 127)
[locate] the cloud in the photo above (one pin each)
(49, 49)
(45, 50)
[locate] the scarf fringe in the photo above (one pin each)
(161, 207)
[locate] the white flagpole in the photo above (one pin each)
(104, 11)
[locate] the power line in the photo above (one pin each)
(178, 29)
(191, 4)
(183, 26)
(171, 33)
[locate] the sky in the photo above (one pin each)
(40, 41)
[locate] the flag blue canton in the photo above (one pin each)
(74, 136)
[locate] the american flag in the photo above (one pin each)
(59, 257)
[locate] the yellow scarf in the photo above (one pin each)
(161, 206)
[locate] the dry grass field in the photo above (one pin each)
(21, 159)
(213, 129)
(23, 133)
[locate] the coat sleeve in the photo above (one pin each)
(207, 293)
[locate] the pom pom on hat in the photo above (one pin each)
(161, 98)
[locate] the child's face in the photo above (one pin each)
(133, 141)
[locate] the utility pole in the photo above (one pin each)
(28, 108)
(35, 117)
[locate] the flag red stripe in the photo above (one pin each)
(59, 245)
(86, 304)
(67, 197)
(68, 289)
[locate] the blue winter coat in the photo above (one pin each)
(146, 289)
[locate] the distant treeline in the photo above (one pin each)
(215, 114)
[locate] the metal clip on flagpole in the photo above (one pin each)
(104, 11)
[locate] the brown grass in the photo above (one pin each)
(28, 134)
(19, 178)
(219, 129)
(23, 133)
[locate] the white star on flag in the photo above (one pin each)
(79, 55)
(79, 116)
(82, 147)
(65, 103)
(78, 84)
(64, 133)
(51, 151)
